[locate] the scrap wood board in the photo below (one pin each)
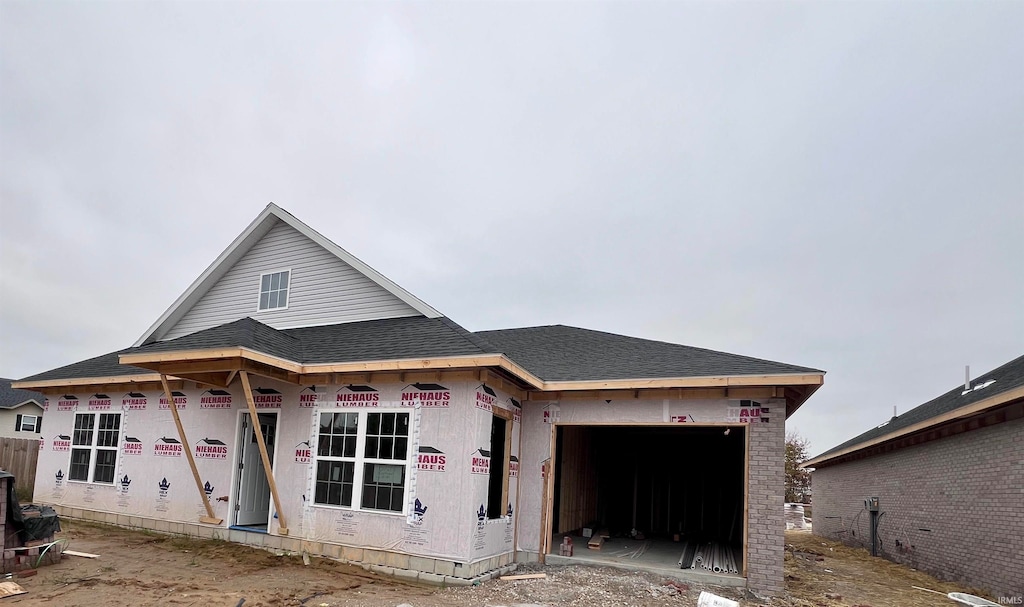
(10, 589)
(81, 554)
(525, 576)
(595, 542)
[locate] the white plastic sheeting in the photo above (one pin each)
(446, 472)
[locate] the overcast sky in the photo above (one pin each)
(837, 185)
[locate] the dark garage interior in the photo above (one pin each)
(649, 489)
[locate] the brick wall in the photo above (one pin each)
(766, 526)
(953, 507)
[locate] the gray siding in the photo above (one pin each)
(323, 290)
(954, 507)
(9, 416)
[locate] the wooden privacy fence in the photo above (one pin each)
(19, 456)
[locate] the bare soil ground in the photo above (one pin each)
(139, 569)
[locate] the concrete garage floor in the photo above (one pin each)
(658, 556)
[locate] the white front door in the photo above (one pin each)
(253, 503)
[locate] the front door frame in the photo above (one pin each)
(243, 432)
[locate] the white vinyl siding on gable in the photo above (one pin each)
(322, 289)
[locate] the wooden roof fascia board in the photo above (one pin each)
(164, 361)
(87, 381)
(214, 272)
(796, 379)
(518, 371)
(153, 358)
(408, 364)
(968, 410)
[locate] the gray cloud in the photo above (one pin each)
(838, 185)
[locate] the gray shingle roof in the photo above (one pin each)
(389, 339)
(561, 353)
(12, 397)
(245, 333)
(1007, 377)
(105, 365)
(553, 353)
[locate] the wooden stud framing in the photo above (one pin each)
(542, 550)
(209, 518)
(549, 497)
(507, 416)
(267, 467)
(519, 491)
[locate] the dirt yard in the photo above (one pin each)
(139, 569)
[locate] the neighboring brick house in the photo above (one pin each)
(21, 411)
(331, 411)
(949, 476)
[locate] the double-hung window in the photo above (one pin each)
(94, 447)
(363, 460)
(27, 423)
(274, 290)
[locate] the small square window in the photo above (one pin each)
(274, 291)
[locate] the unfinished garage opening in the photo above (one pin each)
(645, 493)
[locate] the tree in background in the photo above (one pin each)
(798, 480)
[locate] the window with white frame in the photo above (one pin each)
(94, 445)
(274, 290)
(362, 460)
(27, 423)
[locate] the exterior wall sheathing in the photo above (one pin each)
(953, 507)
(154, 488)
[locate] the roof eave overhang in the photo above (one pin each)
(53, 385)
(992, 402)
(218, 366)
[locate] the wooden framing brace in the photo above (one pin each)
(267, 467)
(209, 519)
